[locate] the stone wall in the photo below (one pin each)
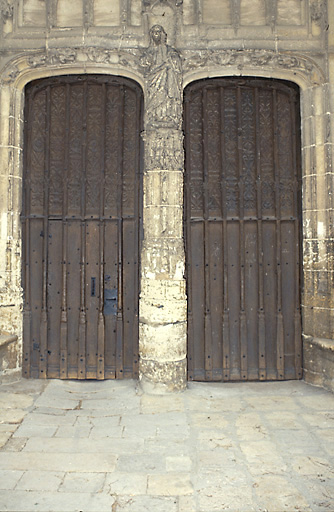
(287, 39)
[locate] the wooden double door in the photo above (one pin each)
(242, 229)
(82, 193)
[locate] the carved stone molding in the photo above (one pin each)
(129, 59)
(163, 149)
(265, 59)
(150, 3)
(138, 60)
(6, 9)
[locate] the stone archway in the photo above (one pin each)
(82, 202)
(196, 64)
(243, 226)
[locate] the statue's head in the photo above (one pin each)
(158, 34)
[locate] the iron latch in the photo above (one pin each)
(110, 301)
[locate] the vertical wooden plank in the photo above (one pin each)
(119, 319)
(216, 288)
(36, 281)
(54, 299)
(57, 190)
(82, 316)
(226, 315)
(112, 163)
(195, 242)
(280, 325)
(74, 254)
(64, 316)
(242, 320)
(231, 239)
(213, 162)
(270, 295)
(198, 298)
(207, 308)
(261, 311)
(295, 123)
(130, 239)
(101, 326)
(75, 178)
(268, 237)
(27, 345)
(187, 230)
(92, 296)
(129, 297)
(94, 159)
(27, 296)
(44, 316)
(110, 284)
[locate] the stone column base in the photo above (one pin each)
(159, 378)
(319, 362)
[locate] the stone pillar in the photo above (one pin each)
(318, 191)
(11, 128)
(162, 309)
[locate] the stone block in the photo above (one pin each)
(69, 16)
(130, 484)
(151, 404)
(12, 416)
(9, 478)
(319, 362)
(163, 221)
(178, 464)
(32, 430)
(162, 312)
(102, 432)
(159, 377)
(84, 446)
(4, 437)
(40, 481)
(147, 503)
(162, 290)
(172, 484)
(163, 259)
(77, 462)
(15, 444)
(277, 493)
(82, 482)
(141, 463)
(9, 348)
(163, 342)
(318, 100)
(40, 501)
(106, 13)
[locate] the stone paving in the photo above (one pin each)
(70, 446)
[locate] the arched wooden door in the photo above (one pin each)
(82, 197)
(242, 228)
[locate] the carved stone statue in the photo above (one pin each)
(162, 65)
